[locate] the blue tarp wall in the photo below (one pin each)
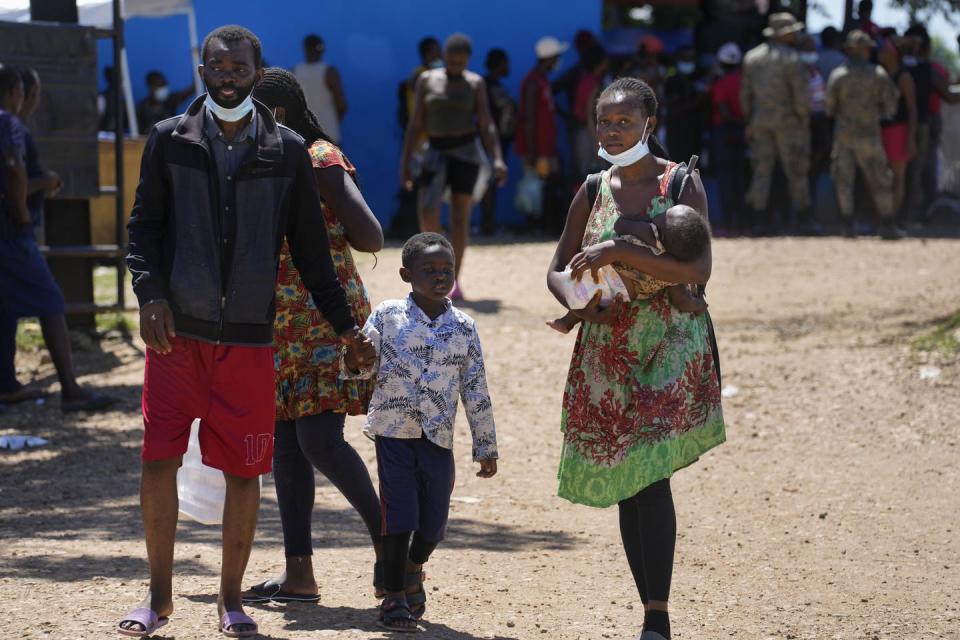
(373, 44)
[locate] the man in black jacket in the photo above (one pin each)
(221, 187)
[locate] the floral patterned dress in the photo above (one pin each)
(642, 397)
(306, 350)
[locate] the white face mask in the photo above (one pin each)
(809, 57)
(909, 61)
(224, 114)
(436, 64)
(686, 68)
(161, 93)
(632, 155)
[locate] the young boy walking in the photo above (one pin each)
(426, 355)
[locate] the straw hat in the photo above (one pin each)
(782, 24)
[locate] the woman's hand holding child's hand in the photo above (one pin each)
(488, 469)
(361, 353)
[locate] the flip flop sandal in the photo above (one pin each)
(234, 618)
(394, 611)
(267, 592)
(417, 602)
(147, 618)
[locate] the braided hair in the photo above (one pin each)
(643, 97)
(280, 88)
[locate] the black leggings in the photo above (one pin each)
(648, 527)
(317, 441)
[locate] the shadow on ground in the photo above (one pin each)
(84, 485)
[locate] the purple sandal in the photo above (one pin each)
(147, 618)
(234, 618)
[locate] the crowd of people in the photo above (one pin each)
(767, 124)
(241, 240)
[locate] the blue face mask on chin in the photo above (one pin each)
(226, 114)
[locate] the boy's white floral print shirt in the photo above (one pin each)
(422, 367)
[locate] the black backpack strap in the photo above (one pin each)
(593, 188)
(680, 177)
(715, 348)
(676, 181)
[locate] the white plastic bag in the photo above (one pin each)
(202, 489)
(529, 195)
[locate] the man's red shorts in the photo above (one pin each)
(229, 388)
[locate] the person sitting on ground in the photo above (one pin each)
(411, 418)
(161, 103)
(680, 232)
(27, 288)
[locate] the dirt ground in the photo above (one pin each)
(831, 512)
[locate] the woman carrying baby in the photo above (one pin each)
(642, 398)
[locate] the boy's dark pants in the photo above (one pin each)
(416, 481)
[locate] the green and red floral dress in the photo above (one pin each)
(642, 397)
(306, 350)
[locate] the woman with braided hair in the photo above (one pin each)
(311, 403)
(643, 393)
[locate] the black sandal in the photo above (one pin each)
(268, 591)
(417, 601)
(394, 612)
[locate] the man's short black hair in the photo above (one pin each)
(686, 234)
(416, 245)
(9, 78)
(233, 33)
(830, 38)
(495, 58)
(313, 42)
(155, 75)
(458, 43)
(919, 31)
(426, 44)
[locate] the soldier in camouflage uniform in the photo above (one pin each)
(776, 103)
(859, 95)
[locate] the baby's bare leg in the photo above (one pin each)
(682, 299)
(564, 324)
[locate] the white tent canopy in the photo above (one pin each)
(99, 13)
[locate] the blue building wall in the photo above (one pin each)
(373, 44)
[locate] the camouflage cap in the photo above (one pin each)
(858, 38)
(782, 24)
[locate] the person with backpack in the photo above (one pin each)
(642, 398)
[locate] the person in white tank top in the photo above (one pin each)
(321, 86)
